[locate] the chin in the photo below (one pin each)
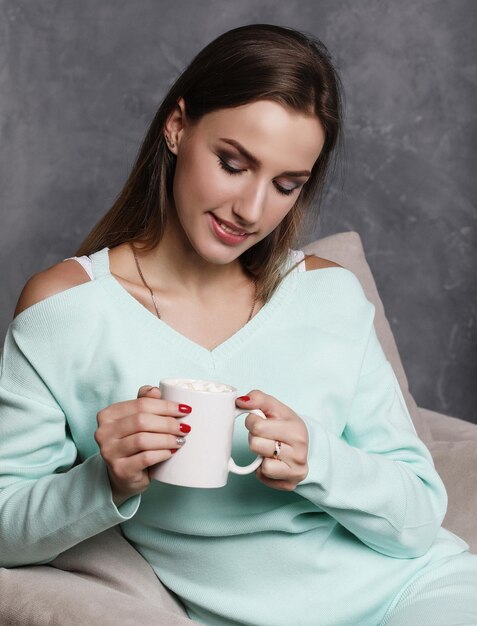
(223, 258)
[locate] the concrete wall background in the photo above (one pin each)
(80, 82)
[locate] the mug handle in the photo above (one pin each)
(246, 469)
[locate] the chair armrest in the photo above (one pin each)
(454, 451)
(456, 464)
(446, 428)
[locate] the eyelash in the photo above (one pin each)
(233, 171)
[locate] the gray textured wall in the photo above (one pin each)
(80, 82)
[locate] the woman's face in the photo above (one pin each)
(215, 181)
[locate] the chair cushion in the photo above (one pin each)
(102, 581)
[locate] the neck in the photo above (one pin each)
(174, 263)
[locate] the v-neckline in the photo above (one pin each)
(156, 326)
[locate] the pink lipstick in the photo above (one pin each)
(225, 234)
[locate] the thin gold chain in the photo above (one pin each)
(154, 299)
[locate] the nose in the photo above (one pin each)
(248, 207)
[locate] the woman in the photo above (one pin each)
(192, 274)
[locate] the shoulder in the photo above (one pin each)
(313, 262)
(338, 287)
(49, 282)
(334, 301)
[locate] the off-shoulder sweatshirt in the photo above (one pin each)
(335, 551)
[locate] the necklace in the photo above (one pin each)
(154, 299)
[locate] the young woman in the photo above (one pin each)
(193, 273)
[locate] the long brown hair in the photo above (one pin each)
(243, 65)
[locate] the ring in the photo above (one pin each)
(278, 447)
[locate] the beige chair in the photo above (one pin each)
(103, 581)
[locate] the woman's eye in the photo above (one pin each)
(285, 191)
(225, 166)
(232, 170)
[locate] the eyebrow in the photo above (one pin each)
(255, 161)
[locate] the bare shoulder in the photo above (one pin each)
(49, 282)
(313, 262)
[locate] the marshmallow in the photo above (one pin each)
(201, 385)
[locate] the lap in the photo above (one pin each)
(445, 595)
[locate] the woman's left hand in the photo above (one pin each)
(282, 425)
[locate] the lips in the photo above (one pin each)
(226, 236)
(236, 230)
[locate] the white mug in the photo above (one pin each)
(205, 458)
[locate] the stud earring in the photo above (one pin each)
(169, 142)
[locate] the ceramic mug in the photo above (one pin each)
(205, 459)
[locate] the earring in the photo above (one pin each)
(169, 142)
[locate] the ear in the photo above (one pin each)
(175, 125)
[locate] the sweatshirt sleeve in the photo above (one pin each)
(378, 478)
(48, 501)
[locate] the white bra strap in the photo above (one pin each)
(298, 255)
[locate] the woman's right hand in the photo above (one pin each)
(135, 434)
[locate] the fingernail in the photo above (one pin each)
(175, 450)
(184, 428)
(185, 408)
(180, 441)
(244, 398)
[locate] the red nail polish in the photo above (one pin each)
(184, 428)
(185, 408)
(244, 398)
(174, 451)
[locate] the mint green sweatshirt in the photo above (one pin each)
(335, 551)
